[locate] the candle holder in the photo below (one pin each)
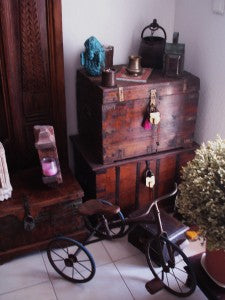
(48, 156)
(108, 78)
(49, 166)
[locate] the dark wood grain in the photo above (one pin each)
(114, 129)
(29, 183)
(54, 210)
(32, 77)
(129, 192)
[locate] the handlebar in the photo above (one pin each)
(144, 217)
(167, 195)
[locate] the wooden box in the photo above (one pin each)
(54, 211)
(123, 182)
(110, 119)
(174, 228)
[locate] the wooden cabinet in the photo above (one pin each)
(31, 77)
(32, 93)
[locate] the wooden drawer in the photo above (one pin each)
(122, 182)
(110, 119)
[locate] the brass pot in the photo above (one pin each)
(134, 67)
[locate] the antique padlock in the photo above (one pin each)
(155, 117)
(149, 179)
(28, 221)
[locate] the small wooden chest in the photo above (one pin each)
(110, 119)
(54, 211)
(174, 228)
(122, 182)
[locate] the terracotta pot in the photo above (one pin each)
(215, 265)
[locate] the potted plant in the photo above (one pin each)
(201, 201)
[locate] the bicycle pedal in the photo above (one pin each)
(153, 286)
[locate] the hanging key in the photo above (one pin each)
(149, 179)
(154, 115)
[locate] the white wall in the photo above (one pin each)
(115, 22)
(204, 35)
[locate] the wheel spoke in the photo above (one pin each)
(177, 281)
(60, 259)
(83, 260)
(57, 254)
(78, 272)
(112, 228)
(84, 266)
(72, 272)
(62, 248)
(181, 270)
(76, 252)
(167, 280)
(63, 269)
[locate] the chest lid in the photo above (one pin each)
(28, 184)
(127, 90)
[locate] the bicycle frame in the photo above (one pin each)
(132, 222)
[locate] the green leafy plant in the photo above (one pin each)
(201, 197)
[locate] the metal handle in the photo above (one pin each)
(153, 27)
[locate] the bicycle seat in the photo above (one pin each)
(93, 206)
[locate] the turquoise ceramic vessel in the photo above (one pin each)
(93, 58)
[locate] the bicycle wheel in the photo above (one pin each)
(176, 273)
(115, 223)
(71, 259)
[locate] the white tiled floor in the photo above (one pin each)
(121, 274)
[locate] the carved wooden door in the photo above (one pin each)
(32, 77)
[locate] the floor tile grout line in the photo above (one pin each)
(118, 271)
(119, 258)
(124, 281)
(23, 288)
(129, 256)
(107, 251)
(49, 276)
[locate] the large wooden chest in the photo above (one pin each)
(123, 182)
(110, 119)
(54, 211)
